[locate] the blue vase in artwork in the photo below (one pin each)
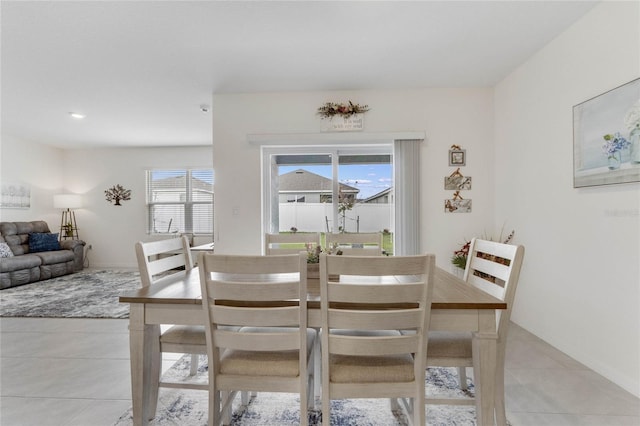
(614, 159)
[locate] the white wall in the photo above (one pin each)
(38, 166)
(448, 116)
(113, 230)
(579, 288)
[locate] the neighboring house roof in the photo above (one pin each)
(304, 181)
(177, 182)
(378, 195)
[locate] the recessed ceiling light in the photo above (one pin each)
(77, 115)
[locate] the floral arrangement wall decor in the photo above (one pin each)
(346, 110)
(606, 137)
(116, 194)
(340, 117)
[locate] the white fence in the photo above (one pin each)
(311, 217)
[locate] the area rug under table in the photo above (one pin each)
(182, 407)
(85, 294)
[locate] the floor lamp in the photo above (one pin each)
(68, 225)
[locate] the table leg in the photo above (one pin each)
(484, 349)
(141, 341)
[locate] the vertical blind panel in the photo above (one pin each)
(407, 192)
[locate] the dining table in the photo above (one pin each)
(176, 299)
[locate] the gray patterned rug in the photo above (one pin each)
(180, 407)
(85, 294)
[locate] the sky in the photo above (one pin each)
(368, 178)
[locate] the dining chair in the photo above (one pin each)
(356, 244)
(290, 243)
(494, 268)
(266, 296)
(363, 353)
(156, 261)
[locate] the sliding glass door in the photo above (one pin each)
(329, 189)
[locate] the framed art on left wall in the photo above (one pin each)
(15, 196)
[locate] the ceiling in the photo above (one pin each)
(140, 70)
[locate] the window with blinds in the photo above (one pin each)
(180, 201)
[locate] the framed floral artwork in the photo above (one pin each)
(606, 137)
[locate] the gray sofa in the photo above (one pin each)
(26, 266)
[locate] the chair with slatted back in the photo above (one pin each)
(363, 353)
(290, 243)
(272, 351)
(494, 268)
(156, 261)
(356, 244)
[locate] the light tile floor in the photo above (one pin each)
(75, 372)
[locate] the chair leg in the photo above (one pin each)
(193, 370)
(394, 403)
(311, 398)
(317, 364)
(418, 411)
(226, 412)
(304, 404)
(501, 415)
(462, 374)
(419, 402)
(214, 408)
(155, 373)
(326, 405)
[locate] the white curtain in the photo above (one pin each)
(406, 157)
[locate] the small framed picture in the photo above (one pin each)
(457, 157)
(457, 206)
(455, 183)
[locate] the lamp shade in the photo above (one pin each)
(67, 201)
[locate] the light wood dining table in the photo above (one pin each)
(456, 306)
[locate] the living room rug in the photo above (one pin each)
(85, 294)
(183, 407)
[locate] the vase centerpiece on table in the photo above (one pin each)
(313, 262)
